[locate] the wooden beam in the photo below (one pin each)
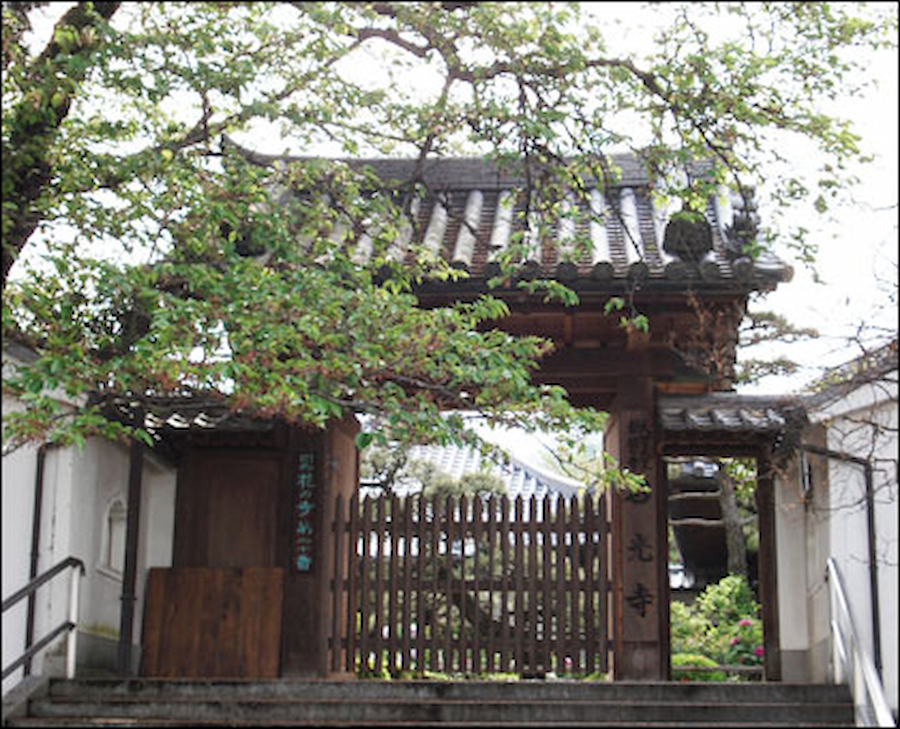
(657, 362)
(768, 566)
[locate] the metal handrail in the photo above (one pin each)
(65, 627)
(854, 662)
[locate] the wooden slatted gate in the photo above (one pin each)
(470, 586)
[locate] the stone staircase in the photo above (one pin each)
(154, 702)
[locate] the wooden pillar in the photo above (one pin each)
(319, 467)
(768, 570)
(640, 582)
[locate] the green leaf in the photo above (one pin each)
(363, 440)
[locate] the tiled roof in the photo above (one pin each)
(471, 211)
(519, 478)
(874, 367)
(727, 412)
(187, 412)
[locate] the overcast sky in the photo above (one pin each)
(858, 243)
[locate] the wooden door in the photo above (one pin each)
(217, 613)
(209, 622)
(227, 509)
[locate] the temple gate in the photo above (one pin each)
(691, 281)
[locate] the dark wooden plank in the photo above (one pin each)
(219, 647)
(216, 622)
(151, 627)
(365, 588)
(236, 509)
(547, 584)
(449, 642)
(491, 566)
(575, 594)
(406, 622)
(337, 585)
(176, 659)
(506, 614)
(531, 660)
(228, 584)
(269, 636)
(393, 618)
(603, 569)
(590, 586)
(192, 588)
(768, 567)
(422, 584)
(250, 584)
(353, 565)
(380, 531)
(436, 638)
(560, 613)
(187, 592)
(477, 514)
(519, 632)
(462, 591)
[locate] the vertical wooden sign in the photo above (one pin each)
(640, 548)
(304, 511)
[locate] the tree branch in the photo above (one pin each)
(35, 121)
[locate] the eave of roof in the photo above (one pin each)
(728, 413)
(468, 216)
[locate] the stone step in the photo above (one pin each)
(439, 711)
(284, 702)
(107, 722)
(703, 692)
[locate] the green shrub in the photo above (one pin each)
(695, 659)
(597, 676)
(728, 601)
(436, 676)
(690, 631)
(744, 642)
(723, 627)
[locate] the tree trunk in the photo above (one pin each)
(734, 530)
(27, 168)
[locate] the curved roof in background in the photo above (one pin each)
(520, 478)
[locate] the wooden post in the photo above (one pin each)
(768, 576)
(129, 578)
(318, 468)
(640, 586)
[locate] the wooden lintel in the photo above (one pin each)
(683, 388)
(710, 444)
(584, 362)
(594, 385)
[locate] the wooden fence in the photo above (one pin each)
(470, 586)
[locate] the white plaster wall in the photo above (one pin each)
(818, 549)
(99, 478)
(51, 599)
(864, 424)
(79, 486)
(18, 470)
(100, 475)
(790, 539)
(157, 528)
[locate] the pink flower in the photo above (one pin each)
(758, 651)
(746, 622)
(735, 640)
